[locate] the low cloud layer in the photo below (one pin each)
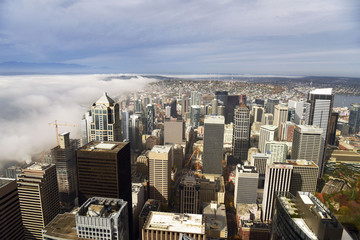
(29, 103)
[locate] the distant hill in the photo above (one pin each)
(13, 68)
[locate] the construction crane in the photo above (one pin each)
(56, 124)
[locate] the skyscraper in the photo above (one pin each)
(150, 118)
(195, 116)
(214, 105)
(354, 118)
(280, 115)
(39, 198)
(287, 131)
(173, 130)
(270, 105)
(267, 119)
(105, 122)
(195, 98)
(135, 132)
(189, 194)
(232, 102)
(160, 158)
(213, 144)
(304, 176)
(11, 226)
(257, 112)
(321, 104)
(246, 184)
(307, 143)
(104, 170)
(64, 160)
(277, 178)
(267, 133)
(125, 121)
(173, 106)
(277, 150)
(241, 133)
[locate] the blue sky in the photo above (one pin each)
(297, 37)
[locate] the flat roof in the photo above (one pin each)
(306, 199)
(302, 162)
(103, 146)
(5, 181)
(62, 226)
(106, 146)
(269, 127)
(309, 129)
(209, 119)
(323, 91)
(38, 166)
(302, 225)
(215, 217)
(161, 148)
(176, 222)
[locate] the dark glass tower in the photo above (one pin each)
(104, 170)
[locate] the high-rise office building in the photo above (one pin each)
(241, 133)
(150, 118)
(160, 161)
(136, 127)
(195, 98)
(97, 218)
(11, 226)
(304, 176)
(185, 102)
(287, 131)
(189, 194)
(267, 133)
(270, 105)
(167, 111)
(232, 102)
(354, 118)
(321, 104)
(64, 160)
(125, 121)
(307, 143)
(246, 184)
(174, 130)
(213, 144)
(291, 114)
(39, 198)
(195, 116)
(173, 105)
(303, 217)
(103, 218)
(243, 99)
(214, 106)
(267, 119)
(280, 115)
(277, 178)
(104, 124)
(104, 170)
(277, 150)
(257, 112)
(260, 102)
(332, 128)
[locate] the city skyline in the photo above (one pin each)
(283, 38)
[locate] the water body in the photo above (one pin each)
(345, 100)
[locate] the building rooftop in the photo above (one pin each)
(97, 146)
(175, 222)
(102, 207)
(215, 218)
(5, 181)
(161, 148)
(308, 129)
(246, 169)
(38, 166)
(302, 162)
(269, 127)
(322, 91)
(209, 119)
(63, 226)
(281, 165)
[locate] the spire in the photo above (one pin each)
(105, 99)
